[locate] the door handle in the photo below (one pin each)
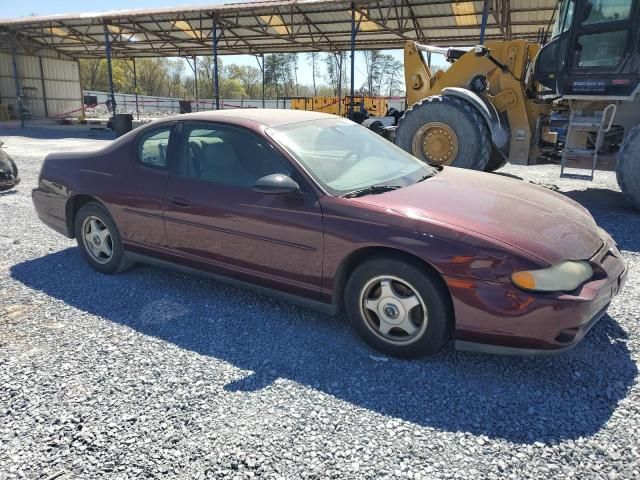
(180, 202)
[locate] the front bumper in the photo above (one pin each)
(500, 318)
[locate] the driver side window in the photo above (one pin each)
(227, 155)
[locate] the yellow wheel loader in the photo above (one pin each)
(502, 101)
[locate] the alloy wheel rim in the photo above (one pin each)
(436, 143)
(97, 239)
(393, 310)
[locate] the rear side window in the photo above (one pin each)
(153, 147)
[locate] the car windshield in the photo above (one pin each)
(344, 157)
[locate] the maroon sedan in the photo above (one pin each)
(322, 211)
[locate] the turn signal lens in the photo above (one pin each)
(524, 280)
(564, 277)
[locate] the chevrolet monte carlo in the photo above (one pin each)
(324, 212)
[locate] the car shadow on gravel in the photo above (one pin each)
(519, 399)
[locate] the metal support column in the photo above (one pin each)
(195, 81)
(485, 16)
(338, 57)
(194, 69)
(44, 89)
(107, 46)
(354, 32)
(16, 78)
(216, 91)
(135, 87)
(81, 92)
(263, 78)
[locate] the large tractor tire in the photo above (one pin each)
(628, 169)
(445, 130)
(496, 161)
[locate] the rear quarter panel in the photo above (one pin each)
(110, 175)
(62, 176)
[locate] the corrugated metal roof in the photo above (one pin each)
(278, 26)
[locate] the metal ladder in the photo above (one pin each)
(599, 124)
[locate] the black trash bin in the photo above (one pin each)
(122, 123)
(185, 106)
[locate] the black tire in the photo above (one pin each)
(8, 172)
(429, 288)
(496, 161)
(473, 136)
(628, 168)
(116, 262)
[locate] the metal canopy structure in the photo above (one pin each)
(274, 26)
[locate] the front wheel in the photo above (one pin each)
(99, 239)
(445, 130)
(398, 308)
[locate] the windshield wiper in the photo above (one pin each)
(372, 190)
(429, 175)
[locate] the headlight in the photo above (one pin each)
(565, 277)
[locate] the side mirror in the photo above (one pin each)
(276, 184)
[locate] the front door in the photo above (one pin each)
(212, 214)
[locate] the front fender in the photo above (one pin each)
(499, 132)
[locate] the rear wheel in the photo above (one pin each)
(398, 308)
(628, 168)
(445, 130)
(99, 239)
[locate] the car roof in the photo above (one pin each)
(268, 117)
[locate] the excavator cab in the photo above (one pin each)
(593, 50)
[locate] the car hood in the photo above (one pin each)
(534, 219)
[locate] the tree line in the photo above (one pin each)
(174, 77)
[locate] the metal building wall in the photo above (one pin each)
(42, 76)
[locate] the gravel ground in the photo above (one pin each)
(152, 373)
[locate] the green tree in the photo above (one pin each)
(391, 77)
(175, 79)
(152, 76)
(331, 72)
(313, 58)
(373, 68)
(279, 74)
(94, 75)
(249, 77)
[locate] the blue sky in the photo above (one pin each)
(12, 8)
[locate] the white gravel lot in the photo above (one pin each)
(154, 374)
